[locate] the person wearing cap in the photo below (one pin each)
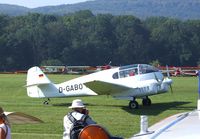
(5, 131)
(78, 112)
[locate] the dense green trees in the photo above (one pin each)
(83, 38)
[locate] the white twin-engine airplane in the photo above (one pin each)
(126, 82)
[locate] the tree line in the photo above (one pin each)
(82, 38)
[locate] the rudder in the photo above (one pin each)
(35, 76)
(35, 80)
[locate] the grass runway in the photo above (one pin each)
(106, 111)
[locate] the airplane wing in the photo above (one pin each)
(179, 126)
(22, 118)
(105, 88)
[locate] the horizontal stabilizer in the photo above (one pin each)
(105, 88)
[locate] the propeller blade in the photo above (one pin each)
(156, 78)
(168, 75)
(171, 89)
(158, 81)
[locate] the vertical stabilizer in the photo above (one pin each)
(35, 76)
(38, 85)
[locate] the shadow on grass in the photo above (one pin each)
(157, 108)
(62, 104)
(86, 104)
(154, 109)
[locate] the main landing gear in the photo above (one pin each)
(46, 102)
(133, 104)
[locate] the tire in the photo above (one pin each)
(45, 102)
(146, 102)
(133, 105)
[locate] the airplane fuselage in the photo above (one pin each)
(127, 82)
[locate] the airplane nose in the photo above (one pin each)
(168, 81)
(155, 87)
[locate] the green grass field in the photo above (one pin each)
(112, 114)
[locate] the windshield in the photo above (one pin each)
(144, 68)
(135, 69)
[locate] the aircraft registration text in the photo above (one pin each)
(73, 87)
(144, 89)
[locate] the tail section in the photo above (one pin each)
(38, 85)
(35, 76)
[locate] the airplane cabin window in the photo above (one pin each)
(115, 75)
(128, 72)
(123, 74)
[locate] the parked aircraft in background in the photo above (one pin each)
(126, 82)
(181, 71)
(75, 69)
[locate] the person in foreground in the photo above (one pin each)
(75, 119)
(79, 125)
(5, 131)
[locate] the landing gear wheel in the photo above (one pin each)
(46, 102)
(146, 102)
(133, 105)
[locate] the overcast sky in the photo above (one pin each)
(39, 3)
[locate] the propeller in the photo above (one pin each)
(171, 88)
(168, 75)
(159, 81)
(167, 80)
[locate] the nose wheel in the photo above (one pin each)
(146, 101)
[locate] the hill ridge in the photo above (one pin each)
(181, 9)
